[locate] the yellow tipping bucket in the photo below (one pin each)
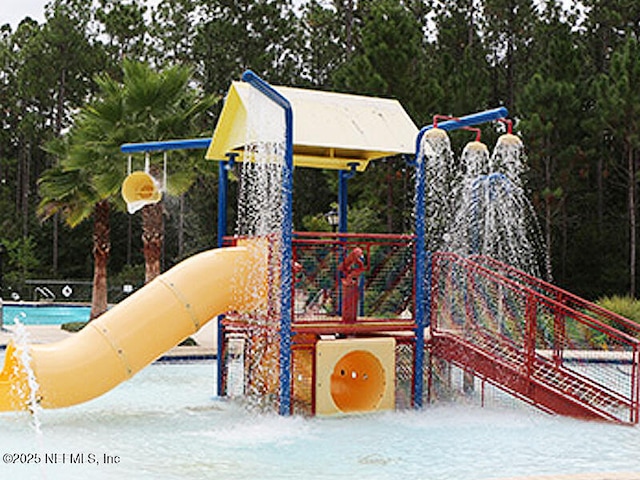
(140, 189)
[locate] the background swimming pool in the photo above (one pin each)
(44, 314)
(166, 424)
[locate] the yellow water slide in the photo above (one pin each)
(132, 334)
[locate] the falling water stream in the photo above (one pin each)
(443, 176)
(22, 340)
(478, 205)
(260, 216)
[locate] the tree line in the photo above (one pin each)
(569, 76)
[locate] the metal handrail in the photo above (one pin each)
(533, 300)
(560, 294)
(45, 292)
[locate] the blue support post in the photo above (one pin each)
(223, 187)
(343, 178)
(427, 309)
(286, 253)
(342, 201)
(343, 211)
(223, 182)
(220, 356)
(420, 313)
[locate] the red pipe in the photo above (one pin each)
(509, 124)
(352, 267)
(443, 117)
(474, 129)
(506, 121)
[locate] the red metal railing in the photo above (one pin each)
(517, 336)
(549, 290)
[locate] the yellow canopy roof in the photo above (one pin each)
(330, 130)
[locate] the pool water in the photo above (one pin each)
(44, 314)
(166, 424)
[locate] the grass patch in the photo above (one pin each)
(73, 326)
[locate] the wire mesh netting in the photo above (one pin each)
(383, 283)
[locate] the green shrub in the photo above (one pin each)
(188, 342)
(625, 306)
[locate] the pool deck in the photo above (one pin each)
(583, 476)
(206, 338)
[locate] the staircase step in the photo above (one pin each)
(545, 372)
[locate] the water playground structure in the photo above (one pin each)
(338, 323)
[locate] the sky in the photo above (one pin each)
(13, 11)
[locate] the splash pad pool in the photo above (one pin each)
(166, 424)
(400, 323)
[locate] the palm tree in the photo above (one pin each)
(146, 105)
(80, 187)
(161, 106)
(64, 190)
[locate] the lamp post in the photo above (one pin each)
(333, 218)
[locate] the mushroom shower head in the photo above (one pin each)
(476, 147)
(509, 139)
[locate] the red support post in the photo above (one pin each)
(559, 334)
(531, 313)
(635, 387)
